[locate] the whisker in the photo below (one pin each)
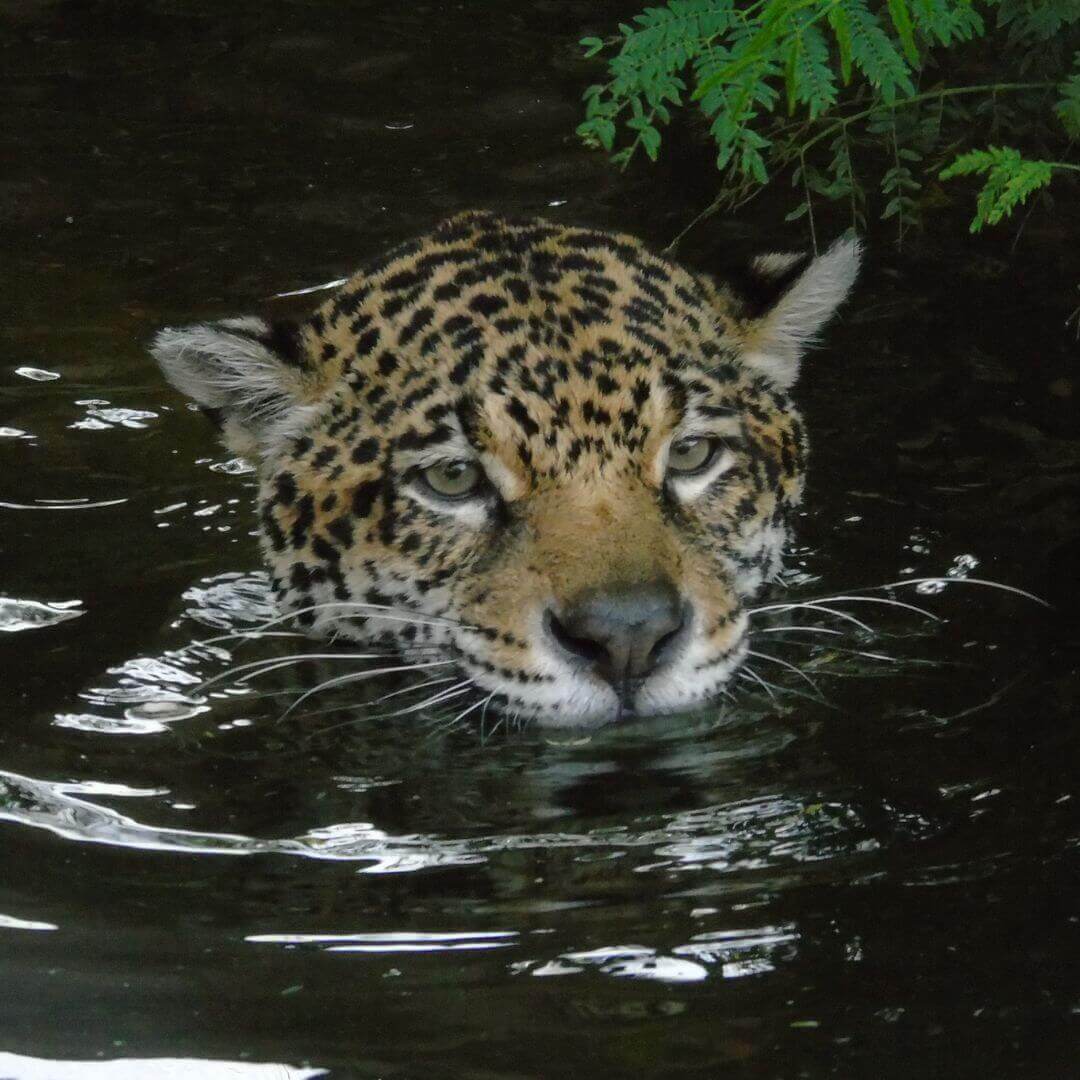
(811, 606)
(882, 657)
(749, 673)
(958, 581)
(294, 690)
(800, 629)
(498, 724)
(265, 666)
(400, 615)
(410, 689)
(992, 700)
(852, 594)
(483, 716)
(355, 705)
(451, 692)
(784, 663)
(879, 600)
(449, 725)
(360, 676)
(436, 699)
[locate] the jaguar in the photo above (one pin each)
(542, 452)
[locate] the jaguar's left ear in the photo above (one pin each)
(788, 299)
(249, 376)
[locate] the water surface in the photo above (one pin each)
(871, 875)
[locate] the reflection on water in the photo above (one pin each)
(764, 834)
(863, 864)
(32, 615)
(20, 1067)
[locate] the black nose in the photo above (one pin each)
(624, 633)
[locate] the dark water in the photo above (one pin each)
(882, 883)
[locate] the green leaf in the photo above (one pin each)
(1068, 105)
(791, 73)
(892, 208)
(650, 139)
(901, 20)
(838, 20)
(874, 53)
(591, 45)
(752, 165)
(814, 83)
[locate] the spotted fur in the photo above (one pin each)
(564, 361)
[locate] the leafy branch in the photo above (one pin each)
(841, 90)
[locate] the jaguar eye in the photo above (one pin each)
(691, 455)
(454, 479)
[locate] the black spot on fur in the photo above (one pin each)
(367, 341)
(517, 411)
(365, 451)
(364, 496)
(486, 304)
(285, 488)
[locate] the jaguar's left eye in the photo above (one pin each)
(454, 479)
(691, 455)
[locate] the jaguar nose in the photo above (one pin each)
(623, 633)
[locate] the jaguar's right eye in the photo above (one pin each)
(453, 479)
(693, 455)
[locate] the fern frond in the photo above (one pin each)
(1068, 106)
(874, 54)
(1010, 179)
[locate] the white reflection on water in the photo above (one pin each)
(9, 922)
(150, 719)
(101, 417)
(624, 961)
(737, 953)
(21, 1067)
(395, 941)
(231, 601)
(37, 374)
(33, 615)
(62, 504)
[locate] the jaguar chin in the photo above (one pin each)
(550, 459)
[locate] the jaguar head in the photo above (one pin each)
(564, 462)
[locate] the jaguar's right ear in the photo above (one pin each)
(249, 376)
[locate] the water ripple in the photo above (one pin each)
(741, 836)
